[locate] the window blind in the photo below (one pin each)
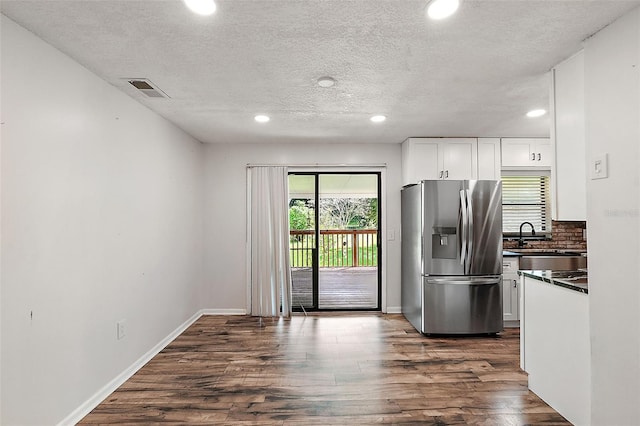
(526, 199)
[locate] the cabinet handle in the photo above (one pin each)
(539, 157)
(446, 174)
(533, 156)
(441, 172)
(515, 283)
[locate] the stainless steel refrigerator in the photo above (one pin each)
(452, 256)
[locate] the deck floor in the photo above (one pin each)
(338, 288)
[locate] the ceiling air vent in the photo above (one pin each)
(146, 87)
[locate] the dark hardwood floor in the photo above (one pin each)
(323, 369)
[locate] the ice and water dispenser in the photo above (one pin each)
(444, 243)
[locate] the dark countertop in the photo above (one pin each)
(508, 253)
(573, 280)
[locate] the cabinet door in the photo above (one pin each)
(510, 297)
(570, 172)
(510, 287)
(460, 158)
(489, 158)
(426, 158)
(517, 152)
(543, 153)
(439, 158)
(527, 152)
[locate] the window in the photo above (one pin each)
(526, 198)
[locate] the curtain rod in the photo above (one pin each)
(317, 165)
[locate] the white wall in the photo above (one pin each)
(612, 97)
(226, 208)
(101, 221)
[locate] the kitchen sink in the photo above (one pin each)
(544, 252)
(550, 260)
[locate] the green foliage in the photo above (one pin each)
(345, 214)
(300, 216)
(372, 214)
(348, 213)
(335, 213)
(332, 255)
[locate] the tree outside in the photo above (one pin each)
(335, 213)
(335, 249)
(349, 213)
(301, 214)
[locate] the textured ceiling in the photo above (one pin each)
(474, 74)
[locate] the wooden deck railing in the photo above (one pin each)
(336, 248)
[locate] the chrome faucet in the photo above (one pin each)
(521, 242)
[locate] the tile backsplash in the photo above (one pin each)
(564, 235)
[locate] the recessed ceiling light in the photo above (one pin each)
(440, 9)
(536, 113)
(326, 81)
(262, 118)
(201, 7)
(378, 118)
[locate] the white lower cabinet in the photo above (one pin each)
(510, 291)
(555, 347)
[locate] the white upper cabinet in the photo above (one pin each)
(527, 152)
(459, 158)
(439, 158)
(568, 133)
(489, 158)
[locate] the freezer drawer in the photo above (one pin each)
(462, 305)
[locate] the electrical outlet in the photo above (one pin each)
(122, 330)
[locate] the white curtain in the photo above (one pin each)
(270, 271)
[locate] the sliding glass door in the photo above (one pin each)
(303, 241)
(335, 250)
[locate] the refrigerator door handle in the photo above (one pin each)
(463, 239)
(470, 232)
(467, 281)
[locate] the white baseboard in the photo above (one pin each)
(224, 312)
(394, 310)
(84, 409)
(512, 324)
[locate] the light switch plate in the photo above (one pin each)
(600, 166)
(122, 329)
